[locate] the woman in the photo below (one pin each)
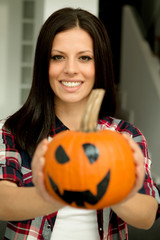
(72, 57)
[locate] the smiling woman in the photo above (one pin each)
(72, 57)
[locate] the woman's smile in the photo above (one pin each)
(70, 84)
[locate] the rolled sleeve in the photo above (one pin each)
(149, 187)
(10, 159)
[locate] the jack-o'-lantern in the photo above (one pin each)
(89, 168)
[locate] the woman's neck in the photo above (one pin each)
(70, 114)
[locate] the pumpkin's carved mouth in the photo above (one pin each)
(80, 197)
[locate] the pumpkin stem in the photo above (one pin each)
(91, 112)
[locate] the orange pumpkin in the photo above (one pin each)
(91, 170)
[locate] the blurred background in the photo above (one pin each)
(134, 30)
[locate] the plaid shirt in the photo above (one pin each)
(15, 165)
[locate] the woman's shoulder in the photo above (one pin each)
(6, 137)
(3, 128)
(2, 122)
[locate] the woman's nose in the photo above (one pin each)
(71, 66)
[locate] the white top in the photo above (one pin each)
(75, 224)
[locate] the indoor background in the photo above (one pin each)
(134, 29)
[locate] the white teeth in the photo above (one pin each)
(70, 84)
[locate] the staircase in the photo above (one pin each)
(139, 90)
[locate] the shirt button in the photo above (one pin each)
(100, 229)
(49, 226)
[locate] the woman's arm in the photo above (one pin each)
(138, 210)
(21, 203)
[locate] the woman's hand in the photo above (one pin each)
(37, 165)
(139, 165)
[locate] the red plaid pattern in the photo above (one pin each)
(15, 165)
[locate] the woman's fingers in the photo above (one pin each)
(38, 161)
(41, 148)
(39, 152)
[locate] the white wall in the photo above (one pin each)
(11, 52)
(10, 30)
(4, 14)
(140, 85)
(52, 5)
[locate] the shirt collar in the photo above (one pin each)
(57, 127)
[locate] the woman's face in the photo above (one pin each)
(72, 66)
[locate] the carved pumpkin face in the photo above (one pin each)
(89, 170)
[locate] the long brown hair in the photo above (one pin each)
(33, 121)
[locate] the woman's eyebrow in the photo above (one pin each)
(80, 52)
(55, 50)
(84, 51)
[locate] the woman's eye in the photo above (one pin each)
(85, 58)
(57, 57)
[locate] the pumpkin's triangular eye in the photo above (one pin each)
(61, 155)
(91, 152)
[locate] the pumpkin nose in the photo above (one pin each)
(61, 155)
(91, 152)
